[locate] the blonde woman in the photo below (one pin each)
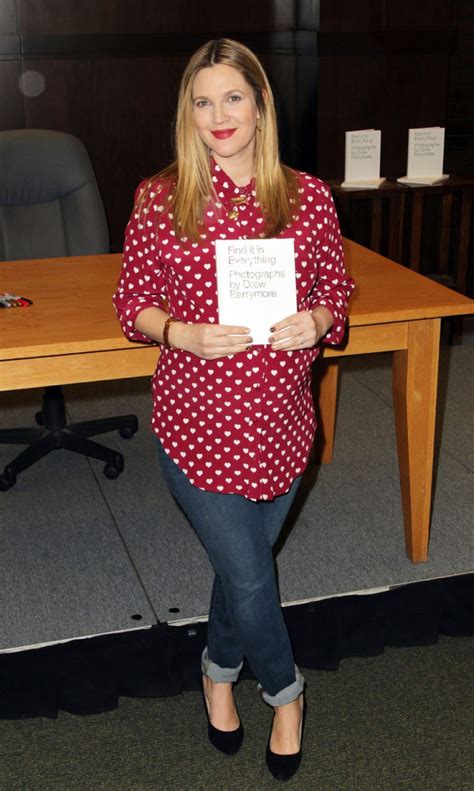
(234, 421)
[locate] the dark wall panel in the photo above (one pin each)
(374, 15)
(111, 70)
(460, 110)
(418, 14)
(121, 109)
(384, 65)
(7, 17)
(344, 103)
(281, 71)
(308, 15)
(154, 16)
(349, 16)
(414, 94)
(11, 104)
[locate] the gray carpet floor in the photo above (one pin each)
(81, 555)
(398, 721)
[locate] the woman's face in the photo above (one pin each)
(225, 113)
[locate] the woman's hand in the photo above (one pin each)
(301, 330)
(209, 341)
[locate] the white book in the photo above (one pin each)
(256, 283)
(420, 181)
(425, 156)
(362, 159)
(363, 184)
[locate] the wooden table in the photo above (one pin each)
(70, 334)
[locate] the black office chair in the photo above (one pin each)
(50, 206)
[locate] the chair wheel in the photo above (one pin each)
(7, 480)
(127, 432)
(113, 470)
(39, 418)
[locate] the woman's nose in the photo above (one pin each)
(219, 114)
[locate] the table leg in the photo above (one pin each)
(415, 378)
(325, 399)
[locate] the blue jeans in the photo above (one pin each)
(245, 617)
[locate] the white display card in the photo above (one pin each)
(362, 162)
(256, 283)
(425, 156)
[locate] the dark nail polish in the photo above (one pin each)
(272, 329)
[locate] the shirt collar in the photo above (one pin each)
(225, 188)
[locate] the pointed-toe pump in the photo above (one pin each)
(227, 742)
(283, 767)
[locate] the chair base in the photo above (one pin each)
(53, 433)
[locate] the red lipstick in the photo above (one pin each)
(223, 134)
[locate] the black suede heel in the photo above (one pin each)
(283, 767)
(227, 742)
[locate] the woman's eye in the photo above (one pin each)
(235, 98)
(201, 103)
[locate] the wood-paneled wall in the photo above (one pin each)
(111, 69)
(108, 71)
(460, 105)
(383, 65)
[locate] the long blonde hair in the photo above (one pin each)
(190, 175)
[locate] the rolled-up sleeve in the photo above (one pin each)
(333, 287)
(142, 282)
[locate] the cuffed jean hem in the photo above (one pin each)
(287, 694)
(216, 673)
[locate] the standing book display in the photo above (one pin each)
(362, 161)
(425, 157)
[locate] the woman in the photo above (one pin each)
(234, 421)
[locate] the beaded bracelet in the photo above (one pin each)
(169, 321)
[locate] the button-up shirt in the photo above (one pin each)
(241, 424)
